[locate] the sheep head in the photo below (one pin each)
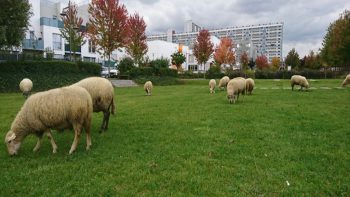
(12, 143)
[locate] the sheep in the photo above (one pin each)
(250, 85)
(60, 108)
(346, 80)
(212, 84)
(102, 94)
(223, 82)
(235, 87)
(299, 80)
(148, 88)
(26, 86)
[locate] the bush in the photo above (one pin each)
(44, 74)
(160, 81)
(191, 75)
(234, 73)
(126, 65)
(214, 72)
(159, 63)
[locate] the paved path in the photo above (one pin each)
(123, 83)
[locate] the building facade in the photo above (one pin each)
(262, 39)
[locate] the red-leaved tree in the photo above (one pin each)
(108, 26)
(203, 47)
(262, 62)
(224, 53)
(137, 45)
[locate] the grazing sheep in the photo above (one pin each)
(235, 87)
(102, 95)
(250, 85)
(212, 84)
(148, 88)
(346, 80)
(61, 108)
(26, 86)
(223, 82)
(299, 80)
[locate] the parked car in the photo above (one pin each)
(113, 72)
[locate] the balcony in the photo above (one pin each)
(51, 22)
(31, 44)
(67, 49)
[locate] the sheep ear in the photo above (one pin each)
(12, 137)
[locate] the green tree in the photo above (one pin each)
(71, 30)
(14, 20)
(292, 59)
(177, 59)
(336, 43)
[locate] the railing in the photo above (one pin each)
(51, 22)
(33, 44)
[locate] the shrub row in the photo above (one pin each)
(152, 71)
(44, 74)
(309, 74)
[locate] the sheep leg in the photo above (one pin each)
(53, 143)
(77, 130)
(88, 137)
(38, 144)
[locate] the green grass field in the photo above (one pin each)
(182, 141)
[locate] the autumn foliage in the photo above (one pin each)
(137, 45)
(262, 62)
(275, 63)
(224, 53)
(108, 25)
(244, 61)
(203, 47)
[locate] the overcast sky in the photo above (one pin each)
(305, 22)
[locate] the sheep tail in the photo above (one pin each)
(112, 106)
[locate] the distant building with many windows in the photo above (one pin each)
(266, 39)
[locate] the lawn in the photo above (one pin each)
(182, 141)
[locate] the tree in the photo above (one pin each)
(292, 59)
(203, 47)
(137, 45)
(224, 53)
(244, 61)
(72, 31)
(336, 43)
(262, 62)
(14, 20)
(108, 26)
(177, 59)
(251, 63)
(312, 61)
(275, 63)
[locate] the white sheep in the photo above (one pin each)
(102, 95)
(223, 82)
(212, 84)
(346, 80)
(26, 86)
(60, 108)
(148, 88)
(299, 80)
(235, 87)
(250, 85)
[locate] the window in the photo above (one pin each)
(92, 47)
(56, 42)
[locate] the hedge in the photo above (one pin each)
(151, 71)
(44, 74)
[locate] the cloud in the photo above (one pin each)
(305, 22)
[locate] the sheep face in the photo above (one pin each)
(12, 143)
(231, 98)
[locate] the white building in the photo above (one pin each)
(44, 31)
(266, 39)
